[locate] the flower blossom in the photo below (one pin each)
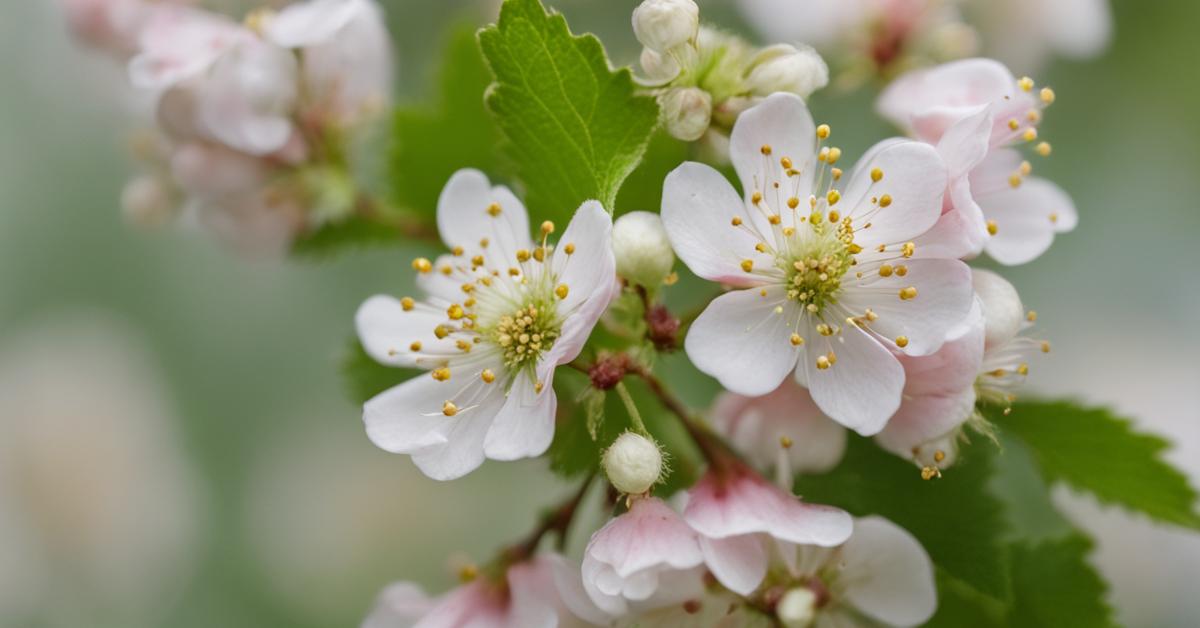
(1025, 33)
(831, 284)
(740, 518)
(112, 25)
(501, 312)
(644, 559)
(1007, 352)
(542, 592)
(880, 576)
(974, 111)
(871, 35)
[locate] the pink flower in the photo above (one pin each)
(739, 517)
(501, 313)
(543, 592)
(832, 282)
(347, 53)
(1007, 353)
(783, 429)
(1025, 33)
(111, 25)
(972, 111)
(644, 559)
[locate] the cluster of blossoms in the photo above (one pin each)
(254, 122)
(846, 298)
(705, 77)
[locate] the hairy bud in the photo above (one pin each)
(641, 248)
(633, 463)
(662, 328)
(661, 25)
(687, 112)
(659, 67)
(785, 68)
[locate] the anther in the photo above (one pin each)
(835, 154)
(441, 374)
(736, 221)
(901, 270)
(1023, 369)
(908, 293)
(1031, 316)
(823, 131)
(876, 175)
(441, 331)
(797, 340)
(561, 291)
(785, 442)
(487, 376)
(939, 456)
(992, 228)
(1030, 134)
(415, 346)
(1043, 149)
(455, 312)
(449, 409)
(833, 197)
(457, 251)
(407, 304)
(1047, 95)
(774, 219)
(493, 210)
(901, 341)
(422, 265)
(822, 362)
(756, 198)
(834, 216)
(786, 162)
(885, 270)
(1026, 84)
(522, 255)
(569, 248)
(1014, 180)
(747, 265)
(885, 200)
(766, 149)
(547, 227)
(908, 249)
(793, 202)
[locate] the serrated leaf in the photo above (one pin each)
(1094, 450)
(574, 127)
(363, 377)
(432, 141)
(1054, 586)
(956, 518)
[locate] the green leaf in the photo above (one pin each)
(574, 127)
(363, 377)
(642, 191)
(957, 518)
(1054, 586)
(432, 141)
(1094, 450)
(960, 606)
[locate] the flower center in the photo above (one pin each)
(526, 333)
(814, 268)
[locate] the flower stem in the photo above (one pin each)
(636, 417)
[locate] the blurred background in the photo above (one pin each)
(175, 445)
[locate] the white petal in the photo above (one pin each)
(408, 417)
(743, 341)
(965, 144)
(307, 23)
(862, 389)
(782, 122)
(246, 99)
(914, 176)
(442, 288)
(1077, 28)
(889, 576)
(525, 425)
(738, 562)
(1027, 218)
(943, 301)
(697, 209)
(589, 271)
(463, 450)
(464, 219)
(387, 332)
(755, 426)
(568, 583)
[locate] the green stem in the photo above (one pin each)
(636, 417)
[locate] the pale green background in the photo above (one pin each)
(307, 520)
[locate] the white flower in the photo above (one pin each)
(785, 68)
(686, 112)
(347, 52)
(633, 463)
(642, 250)
(881, 576)
(502, 311)
(661, 25)
(831, 279)
(973, 111)
(1007, 353)
(644, 559)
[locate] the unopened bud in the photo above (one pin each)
(608, 371)
(662, 328)
(797, 608)
(785, 68)
(641, 248)
(1002, 310)
(664, 24)
(147, 202)
(659, 68)
(633, 463)
(687, 112)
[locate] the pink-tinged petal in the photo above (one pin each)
(1026, 218)
(475, 604)
(783, 123)
(307, 23)
(743, 341)
(590, 270)
(928, 102)
(925, 418)
(738, 562)
(213, 172)
(180, 43)
(246, 99)
(951, 368)
(1001, 309)
(756, 427)
(400, 605)
(466, 216)
(943, 301)
(888, 574)
(861, 390)
(387, 331)
(533, 599)
(915, 179)
(958, 233)
(965, 144)
(525, 425)
(568, 584)
(698, 209)
(722, 506)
